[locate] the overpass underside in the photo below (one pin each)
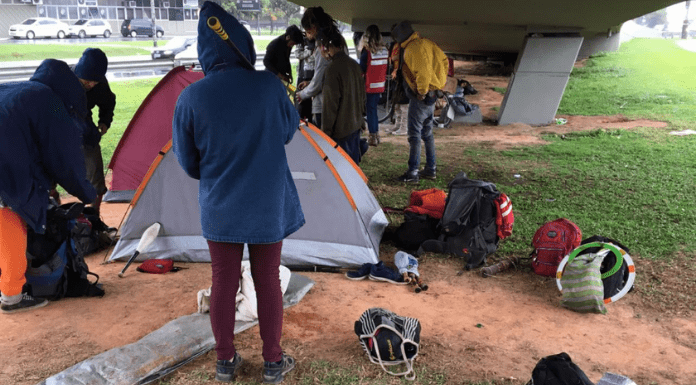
(543, 38)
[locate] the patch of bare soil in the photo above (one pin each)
(473, 328)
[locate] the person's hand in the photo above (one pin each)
(302, 85)
(421, 97)
(103, 128)
(297, 97)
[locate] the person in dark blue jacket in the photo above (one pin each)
(277, 58)
(91, 70)
(229, 131)
(41, 126)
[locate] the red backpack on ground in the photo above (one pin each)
(553, 241)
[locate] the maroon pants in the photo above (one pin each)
(226, 261)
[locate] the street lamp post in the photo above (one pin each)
(154, 26)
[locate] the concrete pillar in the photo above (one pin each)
(539, 79)
(599, 43)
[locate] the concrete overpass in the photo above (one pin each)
(545, 36)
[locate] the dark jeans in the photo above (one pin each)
(226, 263)
(371, 109)
(317, 120)
(351, 145)
(420, 126)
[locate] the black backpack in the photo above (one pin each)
(467, 228)
(415, 229)
(55, 260)
(558, 369)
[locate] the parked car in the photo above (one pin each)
(174, 46)
(94, 27)
(39, 27)
(135, 27)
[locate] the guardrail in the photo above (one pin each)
(119, 67)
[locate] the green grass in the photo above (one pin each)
(129, 96)
(649, 78)
(632, 186)
(20, 52)
(42, 50)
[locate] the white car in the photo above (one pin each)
(39, 27)
(93, 27)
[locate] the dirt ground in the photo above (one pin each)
(473, 328)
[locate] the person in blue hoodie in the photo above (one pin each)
(229, 132)
(41, 126)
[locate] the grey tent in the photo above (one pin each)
(344, 221)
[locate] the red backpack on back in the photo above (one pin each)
(553, 241)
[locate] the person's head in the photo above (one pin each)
(293, 35)
(57, 75)
(331, 42)
(91, 68)
(315, 21)
(402, 31)
(212, 50)
(372, 39)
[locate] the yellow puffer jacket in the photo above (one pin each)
(425, 65)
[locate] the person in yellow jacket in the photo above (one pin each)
(424, 71)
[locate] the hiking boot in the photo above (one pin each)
(26, 303)
(362, 273)
(225, 369)
(274, 372)
(427, 174)
(374, 140)
(408, 177)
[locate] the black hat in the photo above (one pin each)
(92, 65)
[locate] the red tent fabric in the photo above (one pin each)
(149, 130)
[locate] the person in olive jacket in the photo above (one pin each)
(41, 126)
(343, 106)
(229, 132)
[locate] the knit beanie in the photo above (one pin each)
(92, 65)
(402, 31)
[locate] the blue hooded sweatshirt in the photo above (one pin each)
(229, 131)
(41, 124)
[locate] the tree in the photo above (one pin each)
(652, 19)
(279, 9)
(231, 7)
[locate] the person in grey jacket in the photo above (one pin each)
(315, 21)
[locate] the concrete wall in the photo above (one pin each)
(14, 14)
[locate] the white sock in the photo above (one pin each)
(11, 299)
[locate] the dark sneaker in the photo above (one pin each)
(274, 372)
(362, 273)
(27, 303)
(409, 177)
(226, 369)
(380, 272)
(427, 174)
